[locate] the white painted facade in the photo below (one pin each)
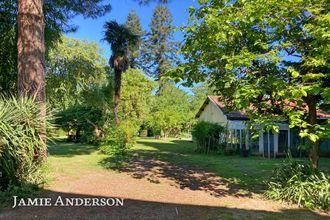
(213, 113)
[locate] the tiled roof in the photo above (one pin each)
(241, 115)
(230, 115)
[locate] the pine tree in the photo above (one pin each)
(158, 52)
(134, 25)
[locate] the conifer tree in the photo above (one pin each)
(158, 52)
(134, 25)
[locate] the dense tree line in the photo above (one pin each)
(36, 59)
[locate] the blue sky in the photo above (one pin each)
(92, 29)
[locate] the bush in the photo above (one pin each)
(20, 143)
(300, 184)
(207, 136)
(118, 139)
(25, 190)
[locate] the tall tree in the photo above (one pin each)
(31, 50)
(57, 16)
(158, 52)
(31, 57)
(270, 58)
(171, 111)
(73, 70)
(136, 97)
(121, 40)
(134, 25)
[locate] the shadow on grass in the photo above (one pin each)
(162, 162)
(142, 209)
(65, 149)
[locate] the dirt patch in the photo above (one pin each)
(147, 200)
(153, 188)
(182, 176)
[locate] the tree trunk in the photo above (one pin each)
(31, 57)
(312, 119)
(118, 75)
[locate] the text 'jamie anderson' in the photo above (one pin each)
(67, 202)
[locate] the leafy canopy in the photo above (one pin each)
(270, 58)
(171, 111)
(75, 69)
(57, 13)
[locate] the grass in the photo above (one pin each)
(246, 172)
(69, 157)
(249, 172)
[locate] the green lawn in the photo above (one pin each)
(242, 176)
(248, 172)
(68, 157)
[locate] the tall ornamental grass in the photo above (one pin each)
(20, 142)
(300, 184)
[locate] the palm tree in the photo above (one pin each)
(121, 39)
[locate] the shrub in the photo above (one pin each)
(300, 184)
(207, 136)
(20, 142)
(118, 139)
(25, 190)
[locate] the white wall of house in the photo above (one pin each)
(213, 114)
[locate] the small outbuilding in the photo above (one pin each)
(268, 144)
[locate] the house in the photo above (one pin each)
(268, 144)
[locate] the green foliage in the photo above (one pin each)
(23, 191)
(8, 49)
(170, 112)
(80, 122)
(20, 142)
(75, 71)
(136, 97)
(207, 136)
(200, 93)
(118, 140)
(261, 56)
(300, 184)
(57, 14)
(158, 49)
(120, 37)
(134, 25)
